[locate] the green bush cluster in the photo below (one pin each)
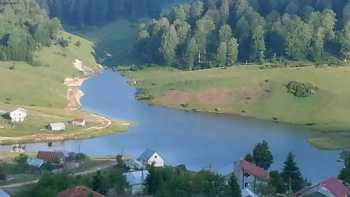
(300, 89)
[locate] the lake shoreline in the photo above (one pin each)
(324, 137)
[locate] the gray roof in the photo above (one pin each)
(4, 194)
(146, 155)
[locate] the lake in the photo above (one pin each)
(198, 140)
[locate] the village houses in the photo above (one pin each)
(332, 187)
(18, 115)
(249, 176)
(151, 158)
(51, 157)
(136, 180)
(57, 126)
(78, 122)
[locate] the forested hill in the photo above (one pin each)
(96, 12)
(24, 27)
(221, 32)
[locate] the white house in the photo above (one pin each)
(150, 157)
(18, 115)
(136, 180)
(134, 164)
(246, 192)
(249, 175)
(57, 126)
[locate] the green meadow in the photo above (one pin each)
(261, 93)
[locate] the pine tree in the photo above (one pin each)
(233, 189)
(262, 155)
(291, 174)
(345, 172)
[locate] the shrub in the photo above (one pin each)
(63, 42)
(300, 89)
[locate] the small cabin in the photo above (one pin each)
(57, 126)
(18, 115)
(78, 122)
(151, 158)
(51, 157)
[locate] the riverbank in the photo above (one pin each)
(50, 92)
(251, 91)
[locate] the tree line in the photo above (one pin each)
(210, 33)
(97, 12)
(24, 27)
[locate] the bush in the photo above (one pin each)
(63, 42)
(300, 89)
(2, 174)
(144, 95)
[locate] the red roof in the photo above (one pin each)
(332, 184)
(79, 191)
(253, 169)
(50, 156)
(78, 120)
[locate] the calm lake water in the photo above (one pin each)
(198, 140)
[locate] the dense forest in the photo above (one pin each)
(25, 27)
(97, 12)
(210, 33)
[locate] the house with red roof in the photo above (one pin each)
(79, 191)
(51, 157)
(331, 187)
(249, 175)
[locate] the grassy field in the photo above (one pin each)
(116, 38)
(261, 93)
(40, 89)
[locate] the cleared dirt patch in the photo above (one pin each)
(214, 97)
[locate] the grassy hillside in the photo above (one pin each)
(261, 93)
(40, 89)
(42, 84)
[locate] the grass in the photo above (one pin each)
(43, 85)
(116, 38)
(39, 88)
(260, 93)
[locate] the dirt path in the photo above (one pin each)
(74, 93)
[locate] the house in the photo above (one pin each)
(35, 162)
(18, 115)
(249, 175)
(136, 180)
(79, 191)
(246, 192)
(332, 187)
(150, 157)
(4, 194)
(51, 157)
(134, 164)
(78, 122)
(57, 126)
